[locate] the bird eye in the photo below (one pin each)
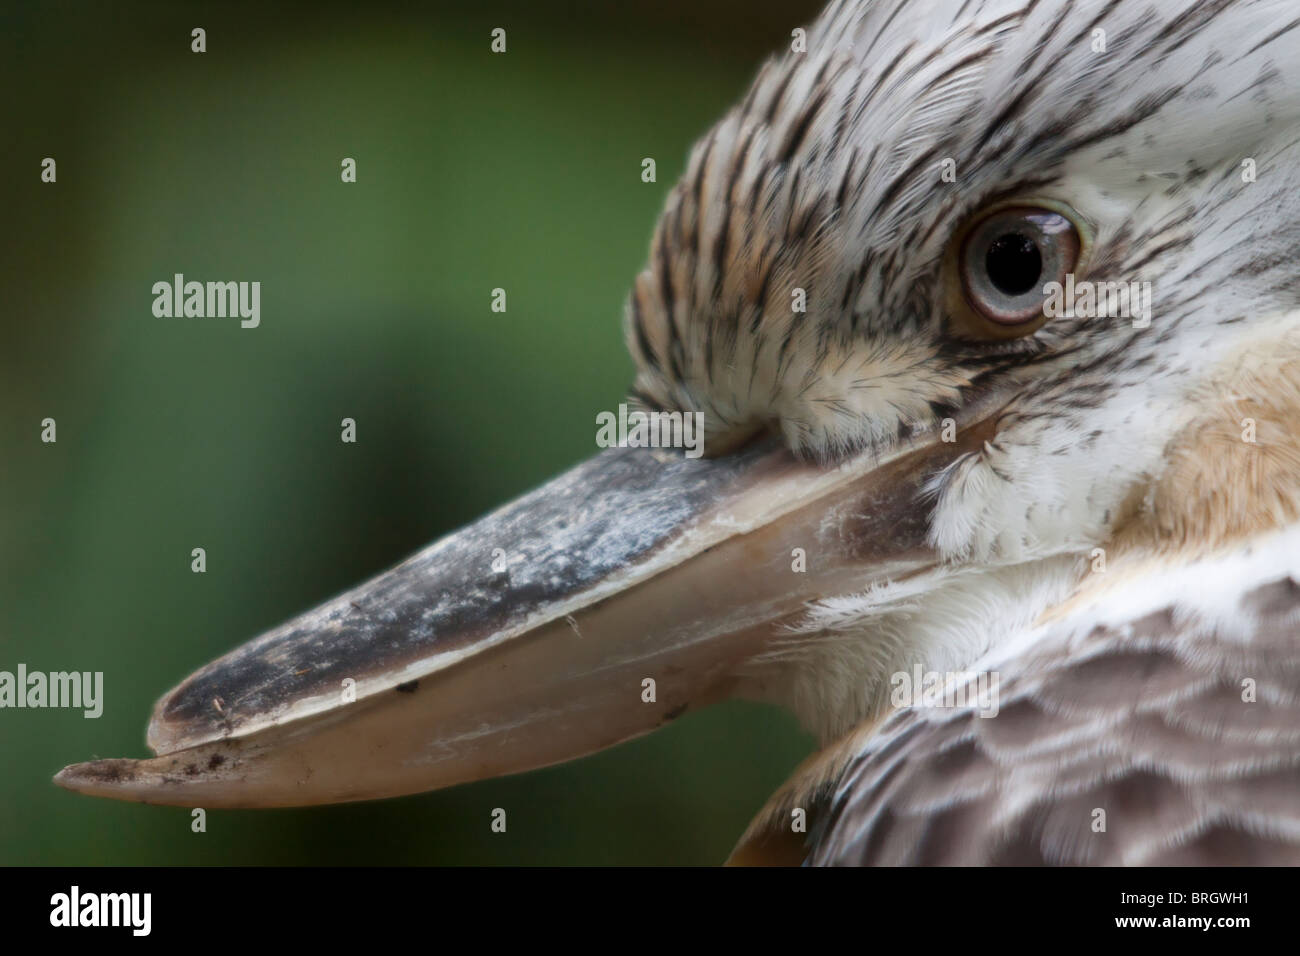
(1004, 261)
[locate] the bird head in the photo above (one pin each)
(1045, 224)
(913, 442)
(859, 251)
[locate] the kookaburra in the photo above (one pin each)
(991, 311)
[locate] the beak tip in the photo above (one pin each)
(111, 777)
(165, 780)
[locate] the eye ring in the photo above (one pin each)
(1004, 259)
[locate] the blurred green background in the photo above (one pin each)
(474, 171)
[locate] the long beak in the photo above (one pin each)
(595, 609)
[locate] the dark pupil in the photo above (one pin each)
(1014, 263)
